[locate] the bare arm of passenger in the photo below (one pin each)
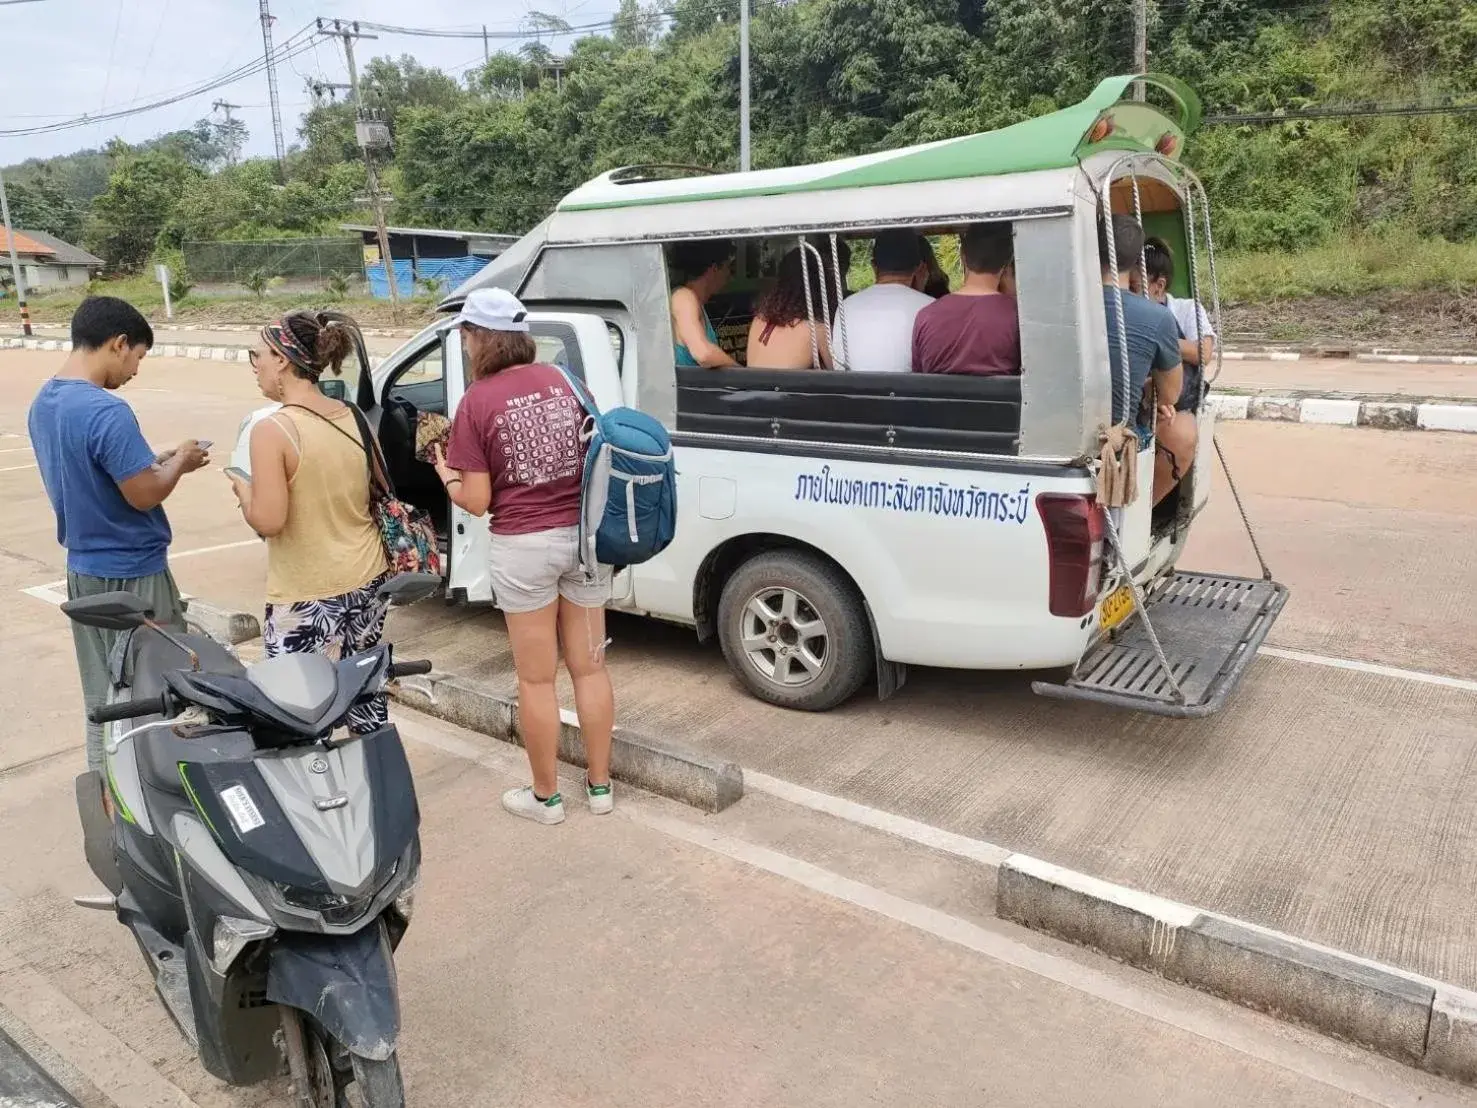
(1190, 354)
(469, 490)
(1167, 385)
(151, 487)
(687, 322)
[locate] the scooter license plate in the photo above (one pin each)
(1116, 608)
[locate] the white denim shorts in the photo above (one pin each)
(531, 571)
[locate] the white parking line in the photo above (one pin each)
(55, 592)
(16, 450)
(1396, 672)
(174, 557)
(924, 834)
(13, 469)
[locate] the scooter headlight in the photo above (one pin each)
(404, 901)
(231, 937)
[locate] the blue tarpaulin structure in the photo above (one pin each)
(379, 287)
(426, 254)
(411, 277)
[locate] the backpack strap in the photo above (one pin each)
(379, 474)
(581, 393)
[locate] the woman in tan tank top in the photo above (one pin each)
(308, 497)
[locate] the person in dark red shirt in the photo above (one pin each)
(515, 448)
(976, 330)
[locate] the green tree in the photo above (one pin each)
(37, 203)
(143, 190)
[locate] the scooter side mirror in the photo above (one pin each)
(409, 588)
(109, 611)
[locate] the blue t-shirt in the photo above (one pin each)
(87, 440)
(1153, 344)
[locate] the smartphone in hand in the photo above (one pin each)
(204, 444)
(238, 473)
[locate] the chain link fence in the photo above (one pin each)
(231, 262)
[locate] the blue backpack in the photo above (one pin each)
(628, 504)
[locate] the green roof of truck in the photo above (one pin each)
(1058, 140)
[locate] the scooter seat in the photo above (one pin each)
(149, 657)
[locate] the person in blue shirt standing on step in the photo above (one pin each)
(106, 484)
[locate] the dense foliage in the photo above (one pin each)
(831, 78)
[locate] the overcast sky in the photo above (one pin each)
(63, 58)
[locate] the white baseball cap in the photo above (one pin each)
(494, 310)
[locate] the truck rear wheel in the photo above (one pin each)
(794, 630)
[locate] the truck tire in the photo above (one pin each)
(794, 630)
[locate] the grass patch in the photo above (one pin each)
(1354, 266)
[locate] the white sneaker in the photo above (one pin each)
(522, 802)
(601, 797)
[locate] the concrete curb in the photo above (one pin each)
(694, 778)
(1377, 356)
(223, 625)
(1413, 1019)
(1343, 410)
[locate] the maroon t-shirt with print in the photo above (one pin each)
(522, 427)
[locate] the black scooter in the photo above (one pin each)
(265, 864)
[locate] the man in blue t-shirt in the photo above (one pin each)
(1154, 373)
(105, 483)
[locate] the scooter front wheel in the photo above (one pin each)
(376, 1084)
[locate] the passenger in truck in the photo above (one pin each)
(975, 331)
(1154, 374)
(936, 284)
(874, 327)
(790, 329)
(1197, 334)
(705, 269)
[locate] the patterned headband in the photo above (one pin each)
(280, 338)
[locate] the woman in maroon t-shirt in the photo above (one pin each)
(516, 449)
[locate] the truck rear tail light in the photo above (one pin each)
(1074, 546)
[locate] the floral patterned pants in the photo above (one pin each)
(337, 627)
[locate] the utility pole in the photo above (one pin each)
(272, 90)
(1140, 44)
(321, 90)
(371, 133)
(231, 146)
(15, 262)
(486, 49)
(744, 85)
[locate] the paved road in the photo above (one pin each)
(771, 955)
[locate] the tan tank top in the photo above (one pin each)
(330, 545)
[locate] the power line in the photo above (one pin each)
(289, 49)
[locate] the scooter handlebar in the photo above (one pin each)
(410, 669)
(128, 709)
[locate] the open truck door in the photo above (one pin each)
(577, 343)
(1172, 642)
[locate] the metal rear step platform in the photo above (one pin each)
(1210, 627)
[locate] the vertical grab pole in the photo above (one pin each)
(807, 251)
(815, 344)
(844, 362)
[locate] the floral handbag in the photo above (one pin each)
(407, 532)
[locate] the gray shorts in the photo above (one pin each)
(531, 571)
